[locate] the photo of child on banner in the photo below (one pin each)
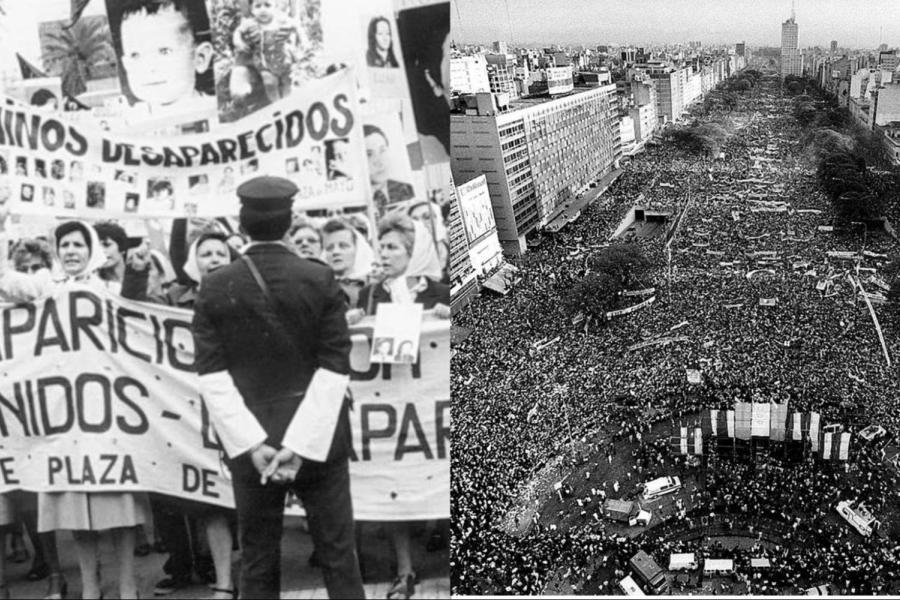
(264, 49)
(398, 328)
(164, 49)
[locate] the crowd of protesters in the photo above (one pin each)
(515, 395)
(400, 260)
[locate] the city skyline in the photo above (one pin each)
(854, 24)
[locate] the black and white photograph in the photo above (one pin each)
(675, 373)
(193, 279)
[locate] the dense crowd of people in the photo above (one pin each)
(756, 209)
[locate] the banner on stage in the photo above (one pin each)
(99, 393)
(63, 167)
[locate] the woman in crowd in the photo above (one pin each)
(307, 239)
(85, 514)
(349, 255)
(410, 266)
(210, 251)
(411, 269)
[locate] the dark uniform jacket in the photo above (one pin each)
(232, 332)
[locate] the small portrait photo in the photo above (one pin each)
(380, 51)
(227, 182)
(40, 168)
(404, 353)
(21, 166)
(96, 195)
(291, 166)
(317, 161)
(76, 171)
(68, 199)
(27, 193)
(165, 51)
(383, 350)
(58, 169)
(49, 195)
(131, 202)
(201, 126)
(337, 157)
(388, 165)
(127, 177)
(249, 167)
(160, 194)
(198, 185)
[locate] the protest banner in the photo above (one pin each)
(630, 309)
(98, 393)
(760, 417)
(642, 292)
(94, 173)
(659, 342)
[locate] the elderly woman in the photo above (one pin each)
(307, 239)
(349, 256)
(208, 252)
(411, 268)
(85, 514)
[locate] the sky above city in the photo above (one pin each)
(853, 23)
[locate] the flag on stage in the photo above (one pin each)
(844, 449)
(742, 420)
(729, 423)
(760, 419)
(826, 446)
(684, 448)
(777, 419)
(797, 426)
(814, 432)
(698, 441)
(709, 422)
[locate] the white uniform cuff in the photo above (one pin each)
(236, 426)
(312, 428)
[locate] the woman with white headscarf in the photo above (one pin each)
(410, 266)
(349, 255)
(429, 214)
(86, 514)
(208, 252)
(411, 269)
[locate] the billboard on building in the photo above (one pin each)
(559, 80)
(475, 206)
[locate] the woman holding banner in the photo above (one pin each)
(411, 268)
(207, 253)
(86, 514)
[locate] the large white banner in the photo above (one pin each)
(55, 165)
(760, 419)
(98, 393)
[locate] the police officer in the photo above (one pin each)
(272, 352)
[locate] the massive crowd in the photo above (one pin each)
(815, 348)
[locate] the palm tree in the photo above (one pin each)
(79, 50)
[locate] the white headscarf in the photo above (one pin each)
(424, 262)
(96, 257)
(191, 269)
(363, 260)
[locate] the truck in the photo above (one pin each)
(626, 511)
(649, 573)
(661, 486)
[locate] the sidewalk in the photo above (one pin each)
(299, 580)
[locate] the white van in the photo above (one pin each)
(859, 518)
(630, 587)
(661, 486)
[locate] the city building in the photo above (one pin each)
(740, 49)
(536, 155)
(888, 60)
(791, 57)
(477, 215)
(501, 74)
(834, 46)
